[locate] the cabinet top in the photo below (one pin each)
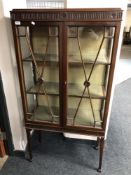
(87, 14)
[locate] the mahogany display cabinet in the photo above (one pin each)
(66, 60)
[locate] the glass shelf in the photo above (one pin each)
(52, 88)
(106, 37)
(74, 90)
(96, 91)
(42, 114)
(84, 118)
(73, 59)
(40, 58)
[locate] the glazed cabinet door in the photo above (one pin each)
(89, 56)
(38, 46)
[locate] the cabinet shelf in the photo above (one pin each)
(74, 90)
(55, 36)
(52, 88)
(50, 58)
(42, 114)
(110, 37)
(84, 118)
(72, 59)
(96, 91)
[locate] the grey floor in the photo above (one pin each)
(58, 156)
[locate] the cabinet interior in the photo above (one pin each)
(89, 51)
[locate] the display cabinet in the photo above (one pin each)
(66, 60)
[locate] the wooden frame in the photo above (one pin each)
(2, 148)
(63, 18)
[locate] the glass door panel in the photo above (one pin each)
(40, 59)
(89, 53)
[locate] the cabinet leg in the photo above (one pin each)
(97, 144)
(39, 136)
(29, 145)
(101, 149)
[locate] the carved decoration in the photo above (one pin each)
(66, 15)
